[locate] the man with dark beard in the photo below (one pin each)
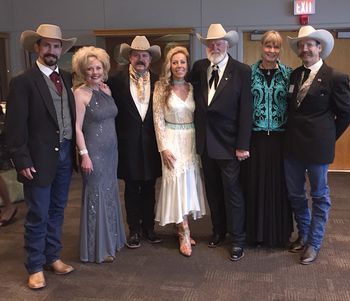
(139, 160)
(223, 122)
(40, 126)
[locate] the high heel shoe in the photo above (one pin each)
(176, 233)
(184, 240)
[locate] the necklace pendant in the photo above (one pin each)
(268, 72)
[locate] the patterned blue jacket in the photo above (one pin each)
(269, 102)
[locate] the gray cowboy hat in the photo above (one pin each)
(140, 43)
(217, 32)
(30, 37)
(324, 37)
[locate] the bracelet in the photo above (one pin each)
(83, 152)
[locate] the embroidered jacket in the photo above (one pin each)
(269, 102)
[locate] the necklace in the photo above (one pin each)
(178, 81)
(268, 69)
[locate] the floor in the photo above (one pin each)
(159, 272)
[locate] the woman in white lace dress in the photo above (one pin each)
(181, 192)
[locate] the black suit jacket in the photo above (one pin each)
(138, 154)
(31, 125)
(226, 124)
(321, 118)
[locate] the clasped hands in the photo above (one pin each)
(242, 154)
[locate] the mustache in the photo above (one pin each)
(140, 63)
(51, 55)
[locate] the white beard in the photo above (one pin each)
(215, 58)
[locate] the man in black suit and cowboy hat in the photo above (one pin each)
(139, 160)
(318, 113)
(41, 139)
(223, 122)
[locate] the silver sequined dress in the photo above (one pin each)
(101, 226)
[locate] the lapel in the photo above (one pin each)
(149, 113)
(67, 81)
(320, 77)
(44, 91)
(204, 82)
(224, 79)
(129, 101)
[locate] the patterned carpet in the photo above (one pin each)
(159, 272)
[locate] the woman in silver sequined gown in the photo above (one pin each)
(101, 226)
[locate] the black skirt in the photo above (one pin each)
(268, 212)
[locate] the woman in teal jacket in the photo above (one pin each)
(269, 217)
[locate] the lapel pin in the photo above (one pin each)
(226, 78)
(319, 79)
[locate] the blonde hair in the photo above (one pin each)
(80, 62)
(166, 77)
(273, 37)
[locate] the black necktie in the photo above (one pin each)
(214, 77)
(55, 78)
(304, 74)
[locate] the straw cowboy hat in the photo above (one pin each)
(324, 37)
(30, 37)
(216, 31)
(140, 43)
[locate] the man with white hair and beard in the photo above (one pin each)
(223, 122)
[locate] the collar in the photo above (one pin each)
(46, 70)
(315, 67)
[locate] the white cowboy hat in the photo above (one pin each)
(140, 43)
(30, 37)
(217, 32)
(324, 37)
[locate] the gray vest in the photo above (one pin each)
(62, 109)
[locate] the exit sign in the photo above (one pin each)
(304, 7)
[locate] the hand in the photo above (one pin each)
(86, 164)
(27, 172)
(242, 154)
(104, 87)
(168, 159)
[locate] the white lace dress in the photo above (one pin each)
(181, 191)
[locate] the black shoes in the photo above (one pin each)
(133, 241)
(297, 246)
(237, 253)
(308, 256)
(151, 236)
(216, 240)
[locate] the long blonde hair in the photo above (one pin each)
(166, 77)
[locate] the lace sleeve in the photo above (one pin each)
(158, 117)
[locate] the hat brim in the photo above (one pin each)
(231, 37)
(29, 38)
(154, 51)
(324, 37)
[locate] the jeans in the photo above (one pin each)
(44, 219)
(311, 225)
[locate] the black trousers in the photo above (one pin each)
(139, 204)
(225, 197)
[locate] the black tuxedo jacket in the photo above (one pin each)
(138, 154)
(321, 118)
(226, 124)
(32, 127)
